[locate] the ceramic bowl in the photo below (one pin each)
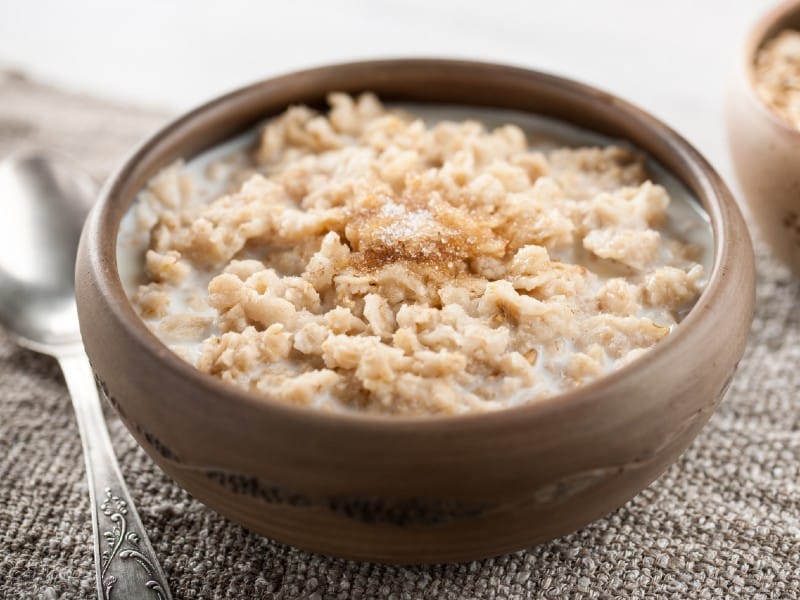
(764, 147)
(417, 490)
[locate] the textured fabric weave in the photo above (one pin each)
(724, 521)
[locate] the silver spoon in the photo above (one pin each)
(43, 204)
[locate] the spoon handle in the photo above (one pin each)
(126, 565)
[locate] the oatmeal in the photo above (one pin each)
(777, 72)
(368, 259)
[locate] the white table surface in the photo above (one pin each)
(670, 57)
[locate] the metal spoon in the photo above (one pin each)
(43, 204)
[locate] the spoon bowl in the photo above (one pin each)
(38, 243)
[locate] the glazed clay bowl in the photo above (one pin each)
(417, 490)
(765, 148)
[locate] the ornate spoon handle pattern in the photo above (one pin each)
(127, 567)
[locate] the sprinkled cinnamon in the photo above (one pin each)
(417, 229)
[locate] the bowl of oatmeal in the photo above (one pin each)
(416, 310)
(763, 123)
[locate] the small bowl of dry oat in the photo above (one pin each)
(415, 311)
(763, 123)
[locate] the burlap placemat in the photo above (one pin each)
(722, 522)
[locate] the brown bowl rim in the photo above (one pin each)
(102, 250)
(758, 35)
